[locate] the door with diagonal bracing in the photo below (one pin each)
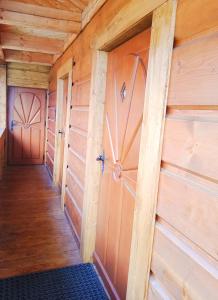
(125, 92)
(26, 125)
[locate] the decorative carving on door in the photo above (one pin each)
(26, 115)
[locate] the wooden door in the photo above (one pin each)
(127, 69)
(26, 125)
(63, 129)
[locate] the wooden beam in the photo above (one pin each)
(124, 21)
(162, 37)
(31, 43)
(20, 19)
(26, 75)
(42, 11)
(94, 148)
(28, 57)
(78, 3)
(91, 10)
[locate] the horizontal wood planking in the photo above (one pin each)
(79, 118)
(192, 145)
(188, 190)
(73, 213)
(77, 165)
(192, 22)
(182, 210)
(25, 75)
(194, 73)
(186, 273)
(77, 147)
(81, 92)
(38, 10)
(21, 19)
(28, 57)
(75, 188)
(31, 43)
(78, 142)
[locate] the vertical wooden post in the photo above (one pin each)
(162, 37)
(94, 148)
(3, 90)
(60, 88)
(64, 176)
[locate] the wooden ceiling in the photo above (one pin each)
(38, 31)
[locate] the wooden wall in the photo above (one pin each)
(184, 261)
(50, 134)
(81, 51)
(27, 75)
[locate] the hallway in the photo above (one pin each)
(35, 234)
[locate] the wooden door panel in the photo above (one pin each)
(126, 82)
(26, 124)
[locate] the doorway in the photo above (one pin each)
(62, 130)
(26, 126)
(125, 93)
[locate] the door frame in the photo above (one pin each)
(161, 15)
(64, 72)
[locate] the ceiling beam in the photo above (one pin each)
(79, 4)
(89, 12)
(42, 11)
(31, 43)
(20, 19)
(28, 57)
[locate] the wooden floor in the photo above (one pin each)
(34, 232)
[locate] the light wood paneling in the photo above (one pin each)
(28, 57)
(194, 72)
(25, 75)
(30, 43)
(186, 227)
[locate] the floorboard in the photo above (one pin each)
(34, 232)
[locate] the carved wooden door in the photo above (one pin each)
(127, 69)
(26, 125)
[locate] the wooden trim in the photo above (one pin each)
(89, 12)
(3, 97)
(125, 21)
(162, 37)
(64, 71)
(2, 150)
(94, 147)
(46, 127)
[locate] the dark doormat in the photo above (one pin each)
(76, 282)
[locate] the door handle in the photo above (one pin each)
(12, 124)
(101, 158)
(60, 131)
